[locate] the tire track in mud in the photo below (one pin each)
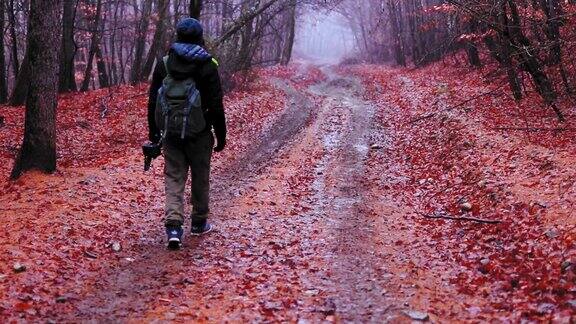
(350, 286)
(374, 263)
(344, 198)
(298, 113)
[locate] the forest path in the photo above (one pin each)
(302, 233)
(306, 231)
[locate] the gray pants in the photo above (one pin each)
(181, 156)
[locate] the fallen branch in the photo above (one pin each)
(430, 115)
(103, 110)
(138, 95)
(535, 129)
(104, 103)
(463, 218)
(422, 118)
(229, 31)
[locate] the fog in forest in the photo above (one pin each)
(324, 37)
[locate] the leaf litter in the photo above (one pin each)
(97, 237)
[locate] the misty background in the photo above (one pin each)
(324, 38)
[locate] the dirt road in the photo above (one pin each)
(302, 234)
(307, 230)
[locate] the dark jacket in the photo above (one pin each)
(184, 61)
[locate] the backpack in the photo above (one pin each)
(179, 107)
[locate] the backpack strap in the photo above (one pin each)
(162, 96)
(165, 60)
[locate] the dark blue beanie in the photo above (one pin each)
(189, 30)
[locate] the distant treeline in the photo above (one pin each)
(533, 38)
(110, 42)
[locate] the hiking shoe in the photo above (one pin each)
(174, 237)
(198, 230)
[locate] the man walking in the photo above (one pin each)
(190, 67)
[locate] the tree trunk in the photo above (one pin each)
(3, 78)
(158, 40)
(493, 48)
(552, 30)
(39, 145)
(244, 57)
(473, 54)
(112, 44)
(291, 28)
(94, 47)
(227, 12)
(506, 55)
(529, 61)
(12, 17)
(103, 75)
(419, 41)
(176, 13)
(396, 31)
(103, 78)
(471, 49)
(67, 80)
(122, 72)
(20, 91)
(141, 30)
(196, 7)
(278, 48)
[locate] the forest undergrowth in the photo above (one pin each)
(491, 179)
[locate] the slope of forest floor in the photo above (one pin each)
(328, 204)
(486, 160)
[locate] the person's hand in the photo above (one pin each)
(154, 138)
(220, 146)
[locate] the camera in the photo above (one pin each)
(151, 151)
